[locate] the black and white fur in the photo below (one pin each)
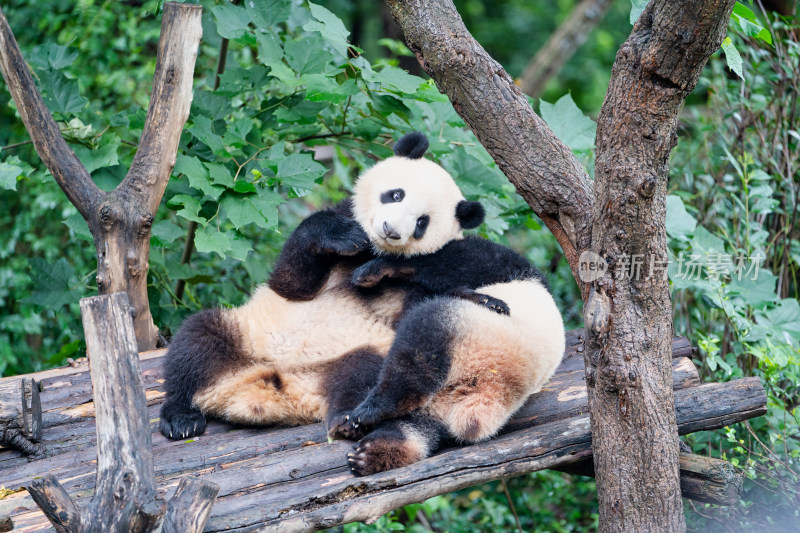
(486, 336)
(424, 335)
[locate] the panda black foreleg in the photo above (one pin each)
(415, 369)
(490, 302)
(397, 443)
(312, 249)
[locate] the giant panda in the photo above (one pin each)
(456, 371)
(310, 345)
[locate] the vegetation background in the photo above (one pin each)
(286, 123)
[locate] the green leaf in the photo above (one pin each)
(241, 211)
(232, 20)
(569, 123)
(190, 207)
(300, 170)
(754, 292)
(209, 240)
(220, 175)
(786, 317)
(243, 187)
(76, 223)
(240, 247)
(637, 6)
(270, 52)
(61, 95)
(8, 176)
(329, 26)
(202, 129)
(732, 57)
(192, 168)
(679, 222)
(395, 78)
(52, 55)
(165, 232)
(306, 55)
(320, 87)
(266, 13)
(104, 156)
(53, 285)
(706, 242)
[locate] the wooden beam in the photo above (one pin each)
(20, 421)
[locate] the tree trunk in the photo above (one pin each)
(629, 318)
(561, 46)
(628, 314)
(119, 220)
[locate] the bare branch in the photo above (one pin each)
(56, 504)
(65, 166)
(169, 104)
(540, 166)
(188, 509)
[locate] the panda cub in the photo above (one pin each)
(456, 371)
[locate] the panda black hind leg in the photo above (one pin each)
(346, 382)
(396, 443)
(203, 347)
(415, 368)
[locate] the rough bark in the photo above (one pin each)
(119, 220)
(628, 313)
(541, 167)
(125, 497)
(562, 45)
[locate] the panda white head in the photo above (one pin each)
(408, 205)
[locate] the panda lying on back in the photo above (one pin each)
(456, 370)
(476, 329)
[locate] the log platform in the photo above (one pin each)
(293, 479)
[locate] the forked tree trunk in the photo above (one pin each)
(629, 314)
(634, 436)
(119, 220)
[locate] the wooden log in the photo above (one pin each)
(21, 420)
(268, 476)
(703, 479)
(189, 508)
(56, 504)
(125, 479)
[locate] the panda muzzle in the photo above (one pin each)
(389, 232)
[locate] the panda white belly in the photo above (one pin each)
(288, 345)
(497, 360)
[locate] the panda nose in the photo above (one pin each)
(389, 232)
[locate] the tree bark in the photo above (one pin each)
(119, 220)
(628, 320)
(125, 497)
(562, 45)
(541, 167)
(628, 314)
(20, 421)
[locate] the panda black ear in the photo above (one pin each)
(411, 145)
(470, 214)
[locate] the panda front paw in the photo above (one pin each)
(369, 274)
(347, 239)
(383, 450)
(342, 427)
(182, 425)
(494, 304)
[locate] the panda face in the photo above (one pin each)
(408, 206)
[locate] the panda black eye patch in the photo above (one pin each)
(393, 196)
(422, 225)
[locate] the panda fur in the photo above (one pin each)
(456, 371)
(313, 343)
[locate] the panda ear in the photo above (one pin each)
(470, 214)
(411, 145)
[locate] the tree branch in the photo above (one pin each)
(560, 47)
(541, 167)
(65, 166)
(169, 104)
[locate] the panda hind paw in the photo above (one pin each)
(347, 242)
(179, 426)
(495, 304)
(378, 452)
